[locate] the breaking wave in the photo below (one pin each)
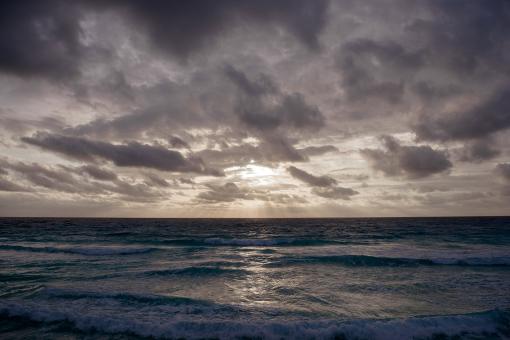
(493, 324)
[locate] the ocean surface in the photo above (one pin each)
(388, 278)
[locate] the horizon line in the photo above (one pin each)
(251, 218)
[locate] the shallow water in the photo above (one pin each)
(283, 278)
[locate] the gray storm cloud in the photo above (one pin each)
(411, 161)
(316, 181)
(133, 154)
(216, 104)
(323, 186)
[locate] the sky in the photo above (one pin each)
(236, 108)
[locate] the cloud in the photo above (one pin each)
(264, 107)
(133, 154)
(159, 108)
(230, 192)
(273, 149)
(156, 93)
(429, 91)
(49, 37)
(323, 186)
(155, 180)
(480, 121)
(311, 151)
(335, 192)
(372, 69)
(411, 161)
(261, 86)
(478, 151)
(186, 181)
(183, 28)
(464, 38)
(76, 181)
(40, 38)
(316, 181)
(98, 173)
(503, 169)
(54, 179)
(178, 143)
(6, 185)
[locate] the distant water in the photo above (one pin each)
(408, 278)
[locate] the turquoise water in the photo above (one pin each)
(284, 278)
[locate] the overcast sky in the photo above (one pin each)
(226, 108)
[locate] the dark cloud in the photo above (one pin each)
(178, 143)
(316, 181)
(466, 37)
(48, 36)
(503, 169)
(429, 92)
(323, 186)
(155, 180)
(186, 181)
(277, 120)
(372, 69)
(173, 89)
(133, 154)
(40, 38)
(411, 161)
(98, 173)
(264, 107)
(478, 151)
(70, 180)
(6, 185)
(479, 121)
(182, 28)
(54, 179)
(228, 192)
(282, 150)
(137, 192)
(335, 192)
(261, 86)
(441, 50)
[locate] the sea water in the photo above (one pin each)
(388, 278)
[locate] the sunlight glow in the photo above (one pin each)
(258, 174)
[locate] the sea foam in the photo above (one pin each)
(495, 324)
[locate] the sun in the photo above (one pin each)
(257, 175)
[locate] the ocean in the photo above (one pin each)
(377, 278)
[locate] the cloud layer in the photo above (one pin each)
(254, 108)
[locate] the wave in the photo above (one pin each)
(90, 251)
(245, 242)
(376, 261)
(218, 241)
(151, 299)
(490, 324)
(196, 271)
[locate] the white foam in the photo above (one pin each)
(161, 325)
